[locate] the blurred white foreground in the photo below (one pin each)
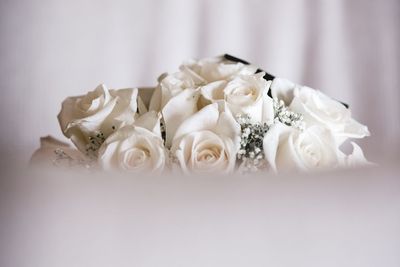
(347, 218)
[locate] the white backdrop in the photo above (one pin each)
(53, 49)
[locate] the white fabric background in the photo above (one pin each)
(53, 49)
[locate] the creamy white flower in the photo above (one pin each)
(319, 109)
(244, 94)
(215, 69)
(208, 141)
(286, 148)
(195, 73)
(88, 120)
(135, 148)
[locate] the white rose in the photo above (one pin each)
(208, 141)
(135, 148)
(215, 69)
(244, 94)
(319, 109)
(195, 73)
(88, 120)
(286, 148)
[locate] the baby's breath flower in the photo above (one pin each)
(251, 152)
(251, 143)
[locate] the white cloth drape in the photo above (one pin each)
(53, 49)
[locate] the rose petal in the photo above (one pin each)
(268, 113)
(130, 141)
(272, 141)
(313, 105)
(282, 89)
(141, 106)
(354, 129)
(155, 101)
(214, 91)
(205, 119)
(227, 125)
(150, 121)
(287, 157)
(68, 112)
(108, 158)
(177, 110)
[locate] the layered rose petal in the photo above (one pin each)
(150, 121)
(100, 111)
(204, 151)
(207, 141)
(177, 110)
(319, 109)
(215, 69)
(286, 148)
(194, 74)
(243, 95)
(283, 89)
(133, 149)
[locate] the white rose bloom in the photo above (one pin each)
(195, 73)
(208, 141)
(319, 109)
(135, 148)
(88, 120)
(215, 69)
(244, 94)
(286, 148)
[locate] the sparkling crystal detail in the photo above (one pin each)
(284, 115)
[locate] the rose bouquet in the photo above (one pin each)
(217, 114)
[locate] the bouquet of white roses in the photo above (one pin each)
(213, 115)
